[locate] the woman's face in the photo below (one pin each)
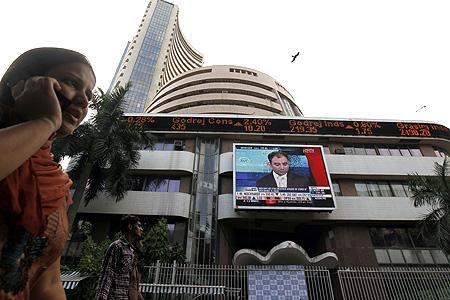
(77, 82)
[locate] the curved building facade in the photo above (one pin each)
(224, 89)
(156, 54)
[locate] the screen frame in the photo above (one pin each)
(281, 208)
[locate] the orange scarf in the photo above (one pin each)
(35, 190)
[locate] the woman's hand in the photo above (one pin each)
(36, 98)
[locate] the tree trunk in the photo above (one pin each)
(78, 195)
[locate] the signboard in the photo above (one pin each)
(280, 177)
(277, 282)
(287, 126)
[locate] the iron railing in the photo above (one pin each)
(395, 283)
(220, 281)
(185, 281)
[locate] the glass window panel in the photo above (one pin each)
(158, 146)
(392, 238)
(415, 152)
(174, 185)
(337, 189)
(417, 239)
(169, 146)
(376, 236)
(403, 235)
(162, 186)
(405, 152)
(374, 190)
(326, 149)
(385, 189)
(398, 189)
(370, 150)
(361, 189)
(359, 151)
(425, 256)
(407, 190)
(384, 151)
(395, 152)
(396, 256)
(349, 150)
(410, 256)
(136, 182)
(382, 256)
(439, 257)
(156, 185)
(437, 153)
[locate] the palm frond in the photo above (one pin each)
(434, 192)
(77, 165)
(117, 179)
(96, 183)
(74, 144)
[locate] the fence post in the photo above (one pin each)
(158, 267)
(174, 271)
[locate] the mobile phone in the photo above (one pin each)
(63, 101)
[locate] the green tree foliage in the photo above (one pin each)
(157, 246)
(434, 191)
(103, 150)
(90, 264)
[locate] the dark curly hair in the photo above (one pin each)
(36, 62)
(127, 220)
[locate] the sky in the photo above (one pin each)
(358, 59)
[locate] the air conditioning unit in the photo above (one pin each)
(179, 144)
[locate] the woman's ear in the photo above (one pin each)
(130, 227)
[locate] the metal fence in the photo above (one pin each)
(395, 283)
(185, 281)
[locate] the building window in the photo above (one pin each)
(166, 145)
(440, 152)
(415, 152)
(361, 189)
(157, 184)
(337, 188)
(398, 189)
(153, 183)
(400, 246)
(385, 189)
(383, 150)
(382, 189)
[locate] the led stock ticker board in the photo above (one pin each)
(283, 125)
(281, 177)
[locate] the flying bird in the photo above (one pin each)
(422, 107)
(295, 56)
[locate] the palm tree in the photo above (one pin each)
(434, 191)
(102, 149)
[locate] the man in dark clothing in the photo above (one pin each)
(281, 176)
(119, 279)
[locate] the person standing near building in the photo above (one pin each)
(44, 94)
(119, 279)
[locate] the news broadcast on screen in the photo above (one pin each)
(279, 176)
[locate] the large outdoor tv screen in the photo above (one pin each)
(269, 176)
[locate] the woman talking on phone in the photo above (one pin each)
(43, 95)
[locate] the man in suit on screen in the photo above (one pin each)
(280, 176)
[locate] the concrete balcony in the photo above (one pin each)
(348, 209)
(369, 165)
(141, 203)
(380, 165)
(166, 160)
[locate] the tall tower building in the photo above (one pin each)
(156, 54)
